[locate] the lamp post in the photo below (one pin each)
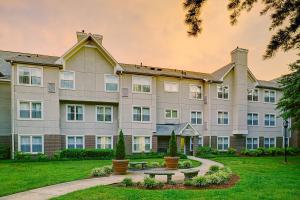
(285, 125)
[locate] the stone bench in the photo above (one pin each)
(133, 164)
(190, 173)
(169, 174)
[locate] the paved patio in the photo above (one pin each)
(64, 188)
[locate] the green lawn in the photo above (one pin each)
(261, 178)
(21, 176)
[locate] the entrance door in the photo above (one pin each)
(182, 145)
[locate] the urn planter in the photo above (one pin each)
(171, 162)
(120, 166)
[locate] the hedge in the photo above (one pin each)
(101, 154)
(146, 155)
(208, 152)
(270, 151)
(4, 151)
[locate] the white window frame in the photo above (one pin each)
(74, 85)
(29, 67)
(83, 113)
(252, 113)
(112, 141)
(173, 83)
(269, 138)
(201, 91)
(171, 113)
(105, 81)
(141, 77)
(19, 143)
(252, 142)
(202, 142)
(197, 111)
(222, 87)
(30, 109)
(223, 118)
(144, 143)
(223, 143)
(83, 141)
(141, 114)
(252, 92)
(275, 122)
(275, 96)
(112, 113)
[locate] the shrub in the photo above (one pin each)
(185, 164)
(231, 151)
(102, 171)
(273, 151)
(144, 155)
(188, 182)
(172, 151)
(23, 156)
(41, 157)
(200, 181)
(120, 150)
(153, 165)
(102, 154)
(213, 169)
(151, 183)
(4, 151)
(219, 177)
(127, 182)
(172, 182)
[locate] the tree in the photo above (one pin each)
(289, 103)
(120, 151)
(285, 16)
(173, 145)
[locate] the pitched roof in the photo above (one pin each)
(166, 129)
(268, 84)
(220, 73)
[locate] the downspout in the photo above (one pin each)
(12, 84)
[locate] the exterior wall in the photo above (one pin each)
(52, 143)
(90, 141)
(5, 107)
(238, 142)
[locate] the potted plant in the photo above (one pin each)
(120, 164)
(172, 159)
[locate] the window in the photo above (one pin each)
(200, 141)
(30, 110)
(270, 96)
(104, 113)
(252, 143)
(171, 86)
(74, 112)
(196, 117)
(269, 142)
(111, 83)
(195, 92)
(67, 80)
(104, 142)
(270, 120)
(30, 76)
(223, 143)
(191, 143)
(75, 142)
(141, 84)
(223, 92)
(252, 119)
(141, 114)
(171, 114)
(141, 144)
(223, 118)
(253, 95)
(31, 144)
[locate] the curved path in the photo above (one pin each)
(67, 187)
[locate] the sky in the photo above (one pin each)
(134, 31)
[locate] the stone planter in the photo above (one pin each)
(120, 166)
(171, 162)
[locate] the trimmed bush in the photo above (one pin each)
(151, 183)
(4, 151)
(120, 151)
(213, 169)
(220, 176)
(102, 171)
(153, 165)
(144, 155)
(200, 181)
(127, 182)
(172, 151)
(269, 151)
(231, 151)
(188, 182)
(101, 154)
(208, 152)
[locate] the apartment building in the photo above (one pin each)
(83, 98)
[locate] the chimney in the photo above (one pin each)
(81, 35)
(239, 56)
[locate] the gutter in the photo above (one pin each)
(12, 112)
(35, 63)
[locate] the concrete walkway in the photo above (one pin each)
(64, 188)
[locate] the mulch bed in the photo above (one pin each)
(233, 180)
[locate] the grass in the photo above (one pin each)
(261, 178)
(22, 176)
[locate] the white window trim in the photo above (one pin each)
(275, 97)
(171, 82)
(252, 142)
(218, 118)
(83, 140)
(145, 77)
(31, 135)
(30, 109)
(275, 117)
(27, 66)
(201, 116)
(252, 118)
(112, 140)
(132, 139)
(223, 143)
(258, 94)
(201, 91)
(62, 88)
(83, 113)
(223, 95)
(172, 113)
(112, 114)
(146, 122)
(105, 75)
(269, 141)
(201, 140)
